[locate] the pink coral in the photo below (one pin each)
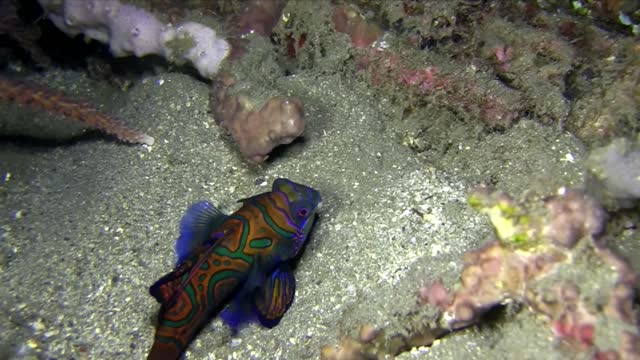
(258, 16)
(434, 294)
(257, 131)
(346, 19)
(493, 104)
(573, 215)
(571, 321)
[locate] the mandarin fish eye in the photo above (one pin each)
(303, 212)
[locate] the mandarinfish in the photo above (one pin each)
(241, 261)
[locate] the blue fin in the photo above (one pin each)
(262, 298)
(240, 311)
(273, 299)
(196, 227)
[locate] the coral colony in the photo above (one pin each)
(129, 31)
(256, 130)
(543, 249)
(133, 31)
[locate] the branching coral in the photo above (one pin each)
(43, 98)
(256, 130)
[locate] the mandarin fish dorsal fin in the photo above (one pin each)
(275, 297)
(196, 227)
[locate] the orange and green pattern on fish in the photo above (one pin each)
(240, 260)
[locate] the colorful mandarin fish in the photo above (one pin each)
(239, 260)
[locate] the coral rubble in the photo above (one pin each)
(541, 258)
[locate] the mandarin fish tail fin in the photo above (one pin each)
(165, 351)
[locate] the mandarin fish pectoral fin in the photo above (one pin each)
(240, 260)
(265, 302)
(276, 296)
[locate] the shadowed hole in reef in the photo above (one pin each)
(489, 324)
(498, 315)
(282, 150)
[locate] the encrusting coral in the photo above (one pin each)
(550, 255)
(256, 130)
(43, 98)
(541, 258)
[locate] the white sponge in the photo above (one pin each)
(209, 50)
(130, 30)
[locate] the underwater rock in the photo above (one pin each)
(348, 20)
(257, 17)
